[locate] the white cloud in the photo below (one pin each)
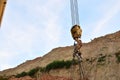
(107, 17)
(37, 27)
(5, 58)
(5, 66)
(24, 33)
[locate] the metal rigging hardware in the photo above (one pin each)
(76, 32)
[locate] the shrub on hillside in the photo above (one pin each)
(21, 74)
(2, 78)
(58, 65)
(33, 71)
(68, 64)
(118, 57)
(101, 59)
(54, 65)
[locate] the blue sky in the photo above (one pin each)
(31, 28)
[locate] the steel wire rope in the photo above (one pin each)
(74, 12)
(75, 21)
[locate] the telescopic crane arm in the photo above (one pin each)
(2, 8)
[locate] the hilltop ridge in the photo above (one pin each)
(108, 44)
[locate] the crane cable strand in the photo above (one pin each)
(75, 21)
(74, 12)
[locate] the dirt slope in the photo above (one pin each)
(108, 44)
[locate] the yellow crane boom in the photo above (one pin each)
(2, 8)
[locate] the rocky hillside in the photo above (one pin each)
(107, 45)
